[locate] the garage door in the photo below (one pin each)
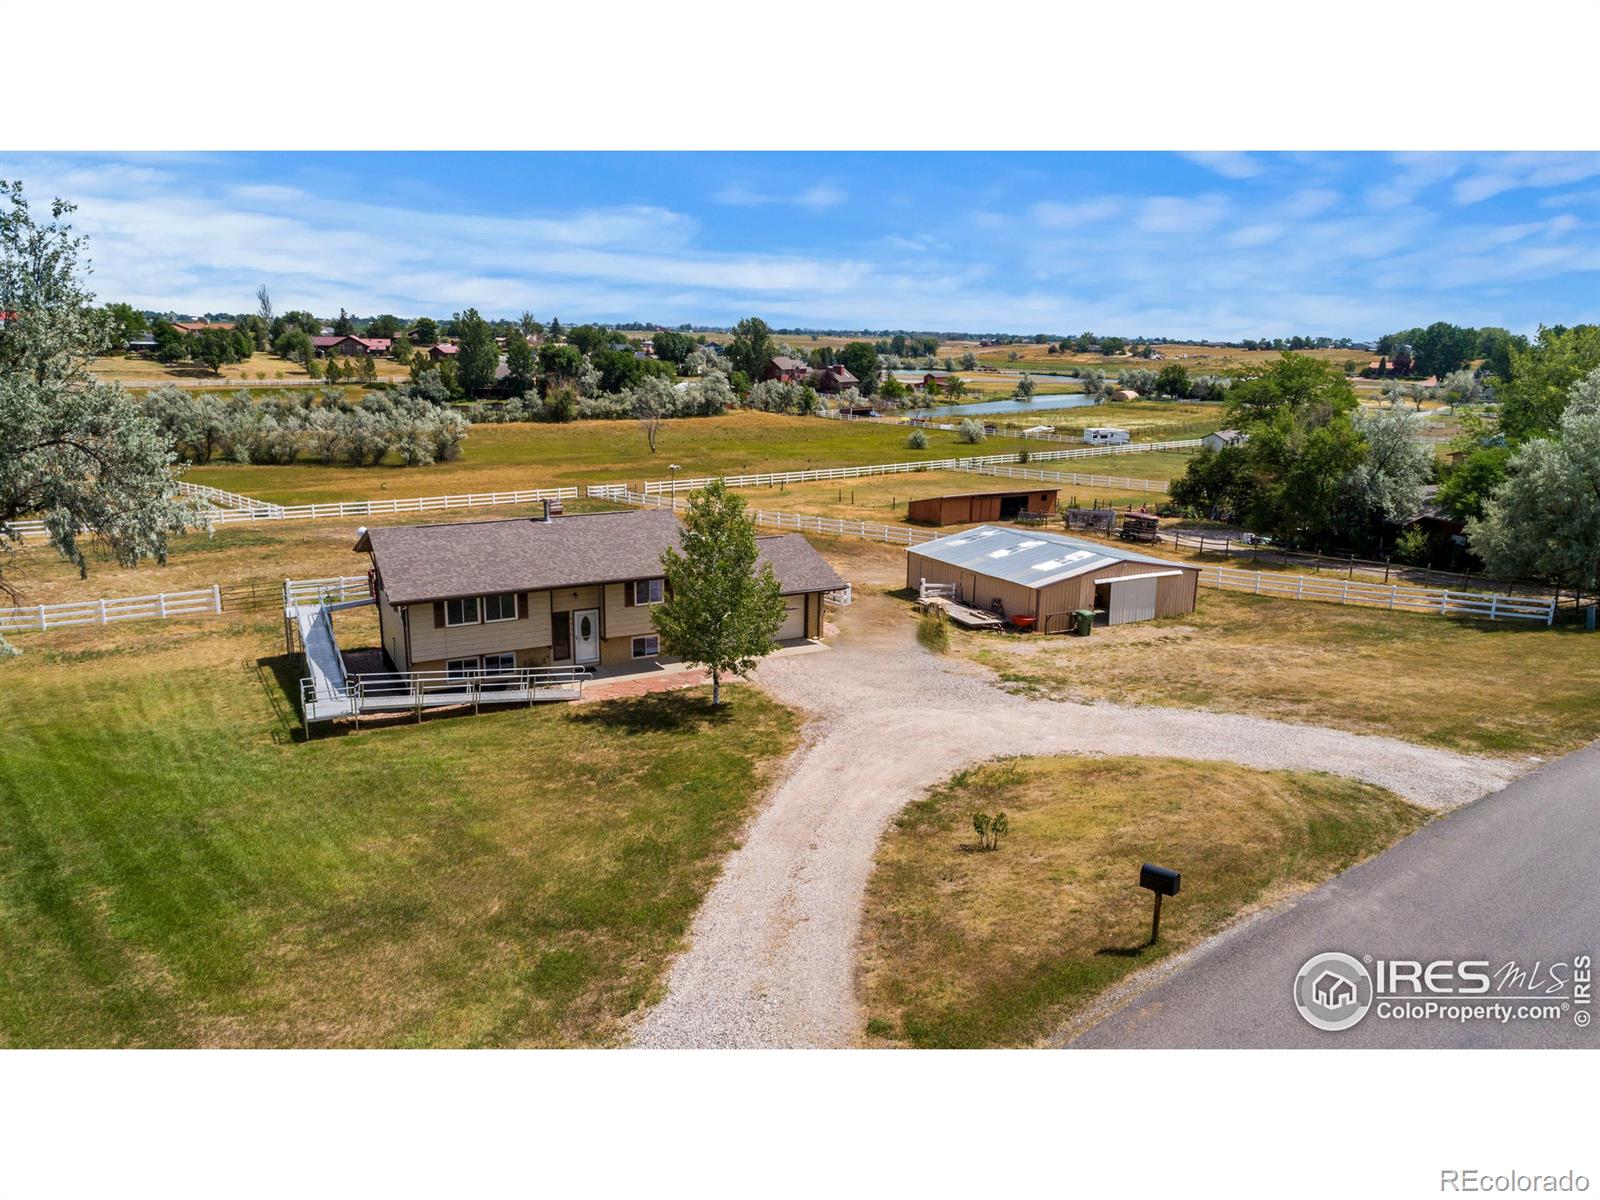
(794, 618)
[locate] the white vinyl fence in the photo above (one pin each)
(245, 509)
(1439, 601)
(895, 535)
(1114, 482)
(162, 606)
(333, 589)
(772, 478)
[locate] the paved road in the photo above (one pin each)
(1511, 876)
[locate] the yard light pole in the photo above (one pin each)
(1163, 882)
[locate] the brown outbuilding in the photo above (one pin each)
(967, 507)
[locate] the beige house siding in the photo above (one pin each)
(535, 656)
(430, 643)
(392, 632)
(622, 619)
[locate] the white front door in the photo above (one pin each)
(586, 636)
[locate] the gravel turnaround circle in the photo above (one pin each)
(772, 951)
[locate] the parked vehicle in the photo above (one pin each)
(1105, 436)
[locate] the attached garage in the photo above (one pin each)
(1048, 577)
(967, 507)
(794, 619)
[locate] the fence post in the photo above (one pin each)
(216, 597)
(1444, 602)
(41, 617)
(161, 606)
(1494, 608)
(102, 612)
(1394, 591)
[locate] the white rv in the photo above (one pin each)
(1105, 436)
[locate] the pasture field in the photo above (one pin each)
(1145, 420)
(1485, 687)
(883, 498)
(1199, 360)
(178, 869)
(261, 370)
(508, 457)
(966, 948)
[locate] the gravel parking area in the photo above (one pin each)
(772, 951)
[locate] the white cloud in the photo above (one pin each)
(1179, 214)
(1308, 202)
(1054, 215)
(1230, 164)
(821, 196)
(1255, 235)
(817, 197)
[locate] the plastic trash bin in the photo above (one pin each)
(1084, 624)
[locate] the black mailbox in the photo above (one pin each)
(1160, 880)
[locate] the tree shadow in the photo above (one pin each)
(655, 712)
(1122, 951)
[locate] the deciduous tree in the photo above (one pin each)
(73, 451)
(720, 612)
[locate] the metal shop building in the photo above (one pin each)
(1049, 577)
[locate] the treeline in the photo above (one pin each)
(1438, 349)
(284, 428)
(1317, 471)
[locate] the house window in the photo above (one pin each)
(500, 608)
(647, 591)
(461, 668)
(499, 663)
(461, 612)
(646, 647)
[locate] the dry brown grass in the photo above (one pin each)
(968, 948)
(1477, 686)
(261, 370)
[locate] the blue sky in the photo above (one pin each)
(1203, 245)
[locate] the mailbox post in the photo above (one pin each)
(1163, 882)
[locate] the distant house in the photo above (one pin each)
(836, 378)
(785, 370)
(1432, 518)
(491, 596)
(197, 326)
(442, 351)
(138, 343)
(351, 346)
(1224, 438)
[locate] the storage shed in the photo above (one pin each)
(1048, 577)
(966, 507)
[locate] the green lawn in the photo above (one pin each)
(176, 869)
(507, 457)
(962, 948)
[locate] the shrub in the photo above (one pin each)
(933, 631)
(918, 440)
(971, 432)
(990, 829)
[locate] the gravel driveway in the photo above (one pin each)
(772, 951)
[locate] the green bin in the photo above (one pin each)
(1083, 624)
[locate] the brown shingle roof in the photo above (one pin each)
(436, 562)
(799, 568)
(784, 363)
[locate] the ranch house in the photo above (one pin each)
(486, 596)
